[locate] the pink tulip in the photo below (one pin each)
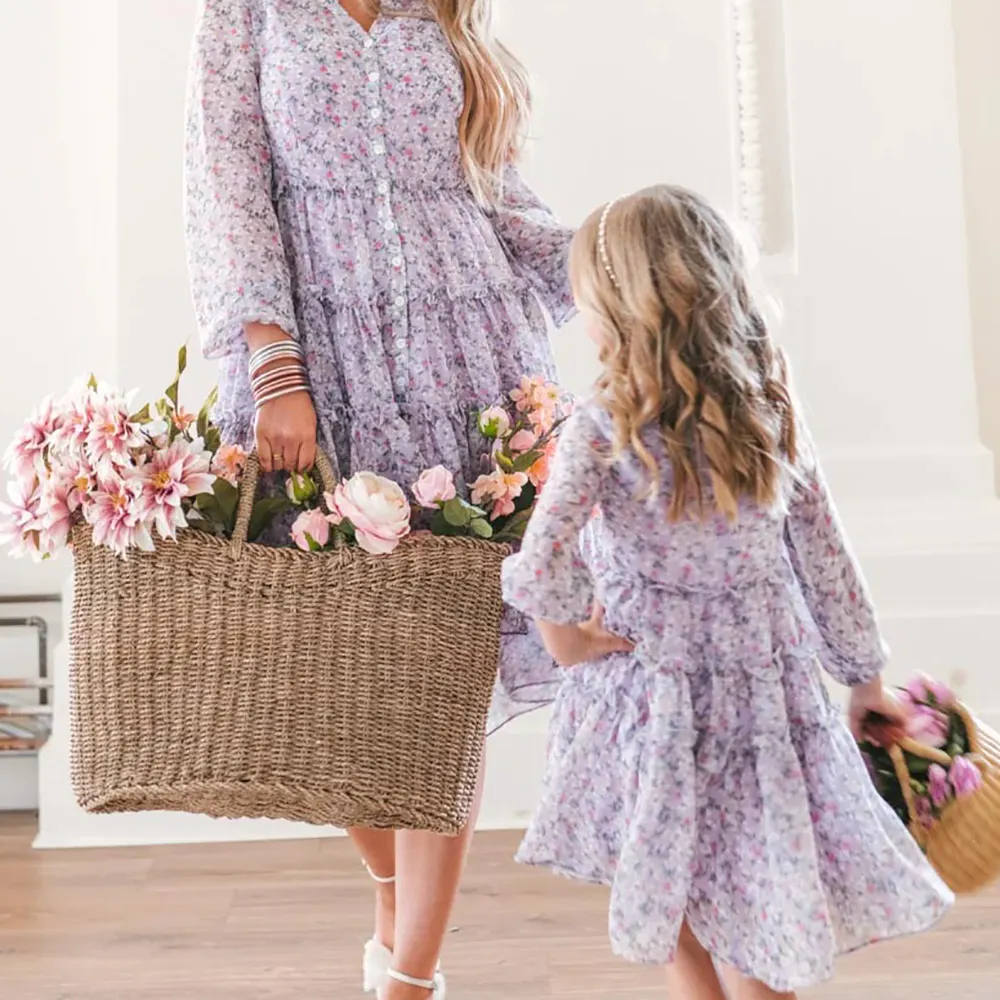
(377, 508)
(940, 790)
(311, 530)
(927, 725)
(434, 487)
(114, 517)
(177, 473)
(923, 689)
(965, 777)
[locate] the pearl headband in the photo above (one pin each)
(602, 243)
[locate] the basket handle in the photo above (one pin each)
(328, 476)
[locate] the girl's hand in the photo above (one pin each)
(285, 432)
(875, 715)
(570, 645)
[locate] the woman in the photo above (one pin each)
(351, 190)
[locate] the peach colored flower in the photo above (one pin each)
(434, 487)
(229, 462)
(182, 419)
(539, 473)
(499, 490)
(378, 510)
(526, 396)
(311, 530)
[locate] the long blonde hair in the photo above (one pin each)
(685, 348)
(491, 129)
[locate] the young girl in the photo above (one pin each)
(696, 764)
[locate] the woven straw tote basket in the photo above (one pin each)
(964, 844)
(239, 680)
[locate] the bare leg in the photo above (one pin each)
(693, 975)
(429, 868)
(378, 851)
(742, 988)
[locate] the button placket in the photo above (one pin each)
(398, 325)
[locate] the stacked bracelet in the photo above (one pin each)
(281, 381)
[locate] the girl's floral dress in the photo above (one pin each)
(707, 776)
(325, 194)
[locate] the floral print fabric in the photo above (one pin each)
(707, 776)
(325, 194)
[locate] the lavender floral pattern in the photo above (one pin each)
(325, 194)
(707, 776)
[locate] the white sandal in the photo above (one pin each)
(436, 985)
(377, 957)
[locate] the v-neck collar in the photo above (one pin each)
(355, 23)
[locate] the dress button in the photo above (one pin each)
(383, 187)
(400, 301)
(400, 345)
(373, 77)
(376, 113)
(368, 43)
(397, 261)
(379, 149)
(390, 224)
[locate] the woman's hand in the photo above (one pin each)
(570, 645)
(876, 715)
(285, 432)
(285, 428)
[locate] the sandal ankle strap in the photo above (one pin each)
(424, 984)
(382, 880)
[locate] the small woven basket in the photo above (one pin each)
(964, 844)
(239, 680)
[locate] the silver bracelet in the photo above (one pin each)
(271, 352)
(277, 395)
(298, 369)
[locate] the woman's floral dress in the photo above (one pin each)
(325, 194)
(707, 776)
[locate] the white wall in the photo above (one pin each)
(858, 124)
(977, 40)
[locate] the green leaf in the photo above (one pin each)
(524, 462)
(92, 383)
(142, 417)
(504, 462)
(213, 439)
(481, 527)
(264, 512)
(228, 498)
(174, 387)
(314, 546)
(457, 513)
(440, 526)
(163, 409)
(514, 527)
(526, 500)
(182, 360)
(346, 530)
(205, 413)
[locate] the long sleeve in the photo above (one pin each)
(538, 245)
(236, 259)
(548, 579)
(832, 583)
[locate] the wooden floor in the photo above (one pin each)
(285, 921)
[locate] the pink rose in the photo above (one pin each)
(434, 487)
(494, 422)
(927, 725)
(378, 510)
(311, 530)
(965, 777)
(521, 442)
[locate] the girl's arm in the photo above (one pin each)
(239, 274)
(538, 245)
(548, 579)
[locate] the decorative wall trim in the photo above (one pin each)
(751, 152)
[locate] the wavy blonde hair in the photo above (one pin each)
(685, 348)
(494, 119)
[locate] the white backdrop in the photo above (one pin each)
(846, 148)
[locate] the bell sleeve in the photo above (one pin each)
(832, 583)
(548, 578)
(236, 259)
(537, 244)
